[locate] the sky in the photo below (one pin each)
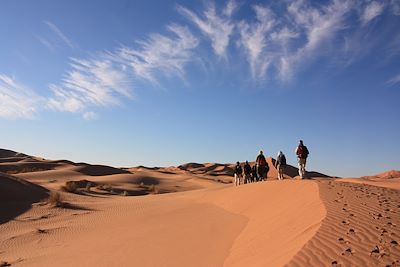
(162, 83)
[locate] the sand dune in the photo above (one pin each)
(124, 219)
(216, 169)
(389, 179)
(360, 229)
(392, 174)
(197, 228)
(17, 195)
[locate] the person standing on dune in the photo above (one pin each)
(238, 174)
(262, 166)
(254, 176)
(247, 172)
(302, 154)
(280, 164)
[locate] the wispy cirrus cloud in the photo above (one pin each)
(254, 39)
(54, 40)
(17, 100)
(371, 11)
(90, 116)
(160, 54)
(319, 26)
(394, 80)
(109, 78)
(94, 82)
(395, 7)
(217, 27)
(276, 41)
(45, 42)
(59, 33)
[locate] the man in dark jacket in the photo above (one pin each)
(280, 164)
(238, 174)
(262, 166)
(254, 176)
(247, 172)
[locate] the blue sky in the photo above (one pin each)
(162, 83)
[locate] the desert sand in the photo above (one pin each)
(61, 213)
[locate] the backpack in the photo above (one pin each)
(247, 169)
(261, 160)
(281, 160)
(302, 152)
(238, 169)
(305, 152)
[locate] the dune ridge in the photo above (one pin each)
(126, 220)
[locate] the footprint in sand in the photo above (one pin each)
(377, 216)
(343, 241)
(351, 231)
(345, 222)
(378, 251)
(41, 231)
(394, 243)
(336, 264)
(348, 252)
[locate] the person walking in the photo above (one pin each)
(302, 154)
(280, 164)
(254, 176)
(262, 167)
(238, 174)
(247, 172)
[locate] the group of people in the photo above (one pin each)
(259, 171)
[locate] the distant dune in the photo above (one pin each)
(393, 174)
(123, 216)
(389, 179)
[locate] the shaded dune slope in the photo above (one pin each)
(17, 195)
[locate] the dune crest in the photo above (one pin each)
(121, 216)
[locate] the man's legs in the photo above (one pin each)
(280, 172)
(302, 168)
(261, 173)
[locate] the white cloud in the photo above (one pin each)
(107, 80)
(371, 11)
(17, 100)
(216, 27)
(319, 26)
(59, 33)
(97, 82)
(90, 116)
(393, 81)
(253, 37)
(395, 7)
(45, 42)
(272, 44)
(160, 54)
